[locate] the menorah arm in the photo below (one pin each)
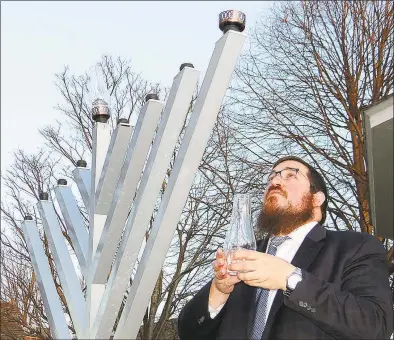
(112, 167)
(82, 179)
(75, 226)
(192, 147)
(101, 141)
(53, 307)
(64, 266)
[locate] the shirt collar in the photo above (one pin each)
(300, 233)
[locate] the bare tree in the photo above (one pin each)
(301, 87)
(198, 234)
(19, 288)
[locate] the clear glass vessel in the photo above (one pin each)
(240, 234)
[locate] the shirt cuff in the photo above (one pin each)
(214, 311)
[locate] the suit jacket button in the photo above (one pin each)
(305, 304)
(301, 304)
(200, 320)
(308, 308)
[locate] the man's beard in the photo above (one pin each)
(276, 220)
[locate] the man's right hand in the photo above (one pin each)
(222, 283)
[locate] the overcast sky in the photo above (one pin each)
(39, 38)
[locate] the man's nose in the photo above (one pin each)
(276, 181)
(272, 186)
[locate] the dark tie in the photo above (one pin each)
(262, 294)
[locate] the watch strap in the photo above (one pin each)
(298, 273)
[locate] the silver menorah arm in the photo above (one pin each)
(170, 126)
(101, 140)
(64, 266)
(112, 166)
(53, 307)
(126, 188)
(75, 226)
(82, 178)
(202, 120)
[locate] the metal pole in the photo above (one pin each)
(64, 266)
(112, 166)
(53, 307)
(82, 177)
(101, 140)
(198, 131)
(75, 226)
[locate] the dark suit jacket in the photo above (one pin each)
(344, 294)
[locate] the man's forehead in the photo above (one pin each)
(291, 164)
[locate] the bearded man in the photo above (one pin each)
(303, 282)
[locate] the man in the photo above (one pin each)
(303, 282)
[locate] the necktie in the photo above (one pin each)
(262, 294)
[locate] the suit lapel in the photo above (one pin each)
(310, 247)
(305, 255)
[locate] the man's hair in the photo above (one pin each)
(317, 182)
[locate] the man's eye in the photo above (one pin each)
(290, 175)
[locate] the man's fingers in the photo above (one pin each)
(220, 273)
(223, 276)
(220, 254)
(218, 264)
(248, 276)
(228, 280)
(232, 280)
(253, 283)
(215, 265)
(245, 254)
(243, 266)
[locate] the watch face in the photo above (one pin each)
(293, 280)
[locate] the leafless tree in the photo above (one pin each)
(197, 235)
(311, 68)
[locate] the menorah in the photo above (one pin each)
(119, 214)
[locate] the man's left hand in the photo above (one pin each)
(260, 269)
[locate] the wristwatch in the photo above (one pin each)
(294, 278)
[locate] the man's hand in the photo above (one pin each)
(223, 283)
(261, 270)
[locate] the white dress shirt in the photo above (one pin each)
(285, 251)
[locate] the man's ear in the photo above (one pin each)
(318, 199)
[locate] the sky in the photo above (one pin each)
(39, 38)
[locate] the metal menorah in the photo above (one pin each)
(119, 213)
